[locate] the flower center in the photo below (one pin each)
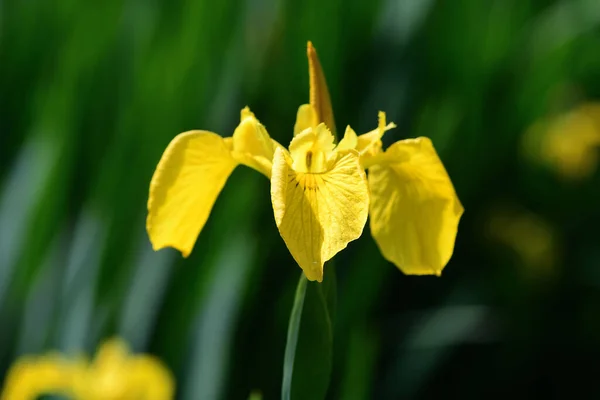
(311, 150)
(309, 159)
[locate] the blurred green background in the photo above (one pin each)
(91, 93)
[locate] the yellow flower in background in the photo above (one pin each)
(114, 374)
(319, 190)
(568, 143)
(30, 377)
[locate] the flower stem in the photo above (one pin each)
(292, 338)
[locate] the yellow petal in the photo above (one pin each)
(118, 374)
(319, 214)
(251, 144)
(349, 141)
(185, 185)
(30, 377)
(150, 379)
(111, 352)
(305, 118)
(319, 94)
(108, 376)
(369, 143)
(414, 208)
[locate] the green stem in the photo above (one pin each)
(292, 338)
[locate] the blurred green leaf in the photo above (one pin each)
(360, 365)
(216, 318)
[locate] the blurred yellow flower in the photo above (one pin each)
(568, 143)
(319, 191)
(113, 374)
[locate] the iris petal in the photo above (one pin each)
(414, 208)
(252, 145)
(305, 118)
(349, 141)
(369, 144)
(319, 214)
(319, 94)
(185, 185)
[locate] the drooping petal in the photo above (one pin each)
(319, 94)
(319, 214)
(414, 209)
(252, 145)
(305, 118)
(185, 185)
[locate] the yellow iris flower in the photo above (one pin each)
(114, 374)
(320, 192)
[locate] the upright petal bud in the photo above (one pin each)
(319, 94)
